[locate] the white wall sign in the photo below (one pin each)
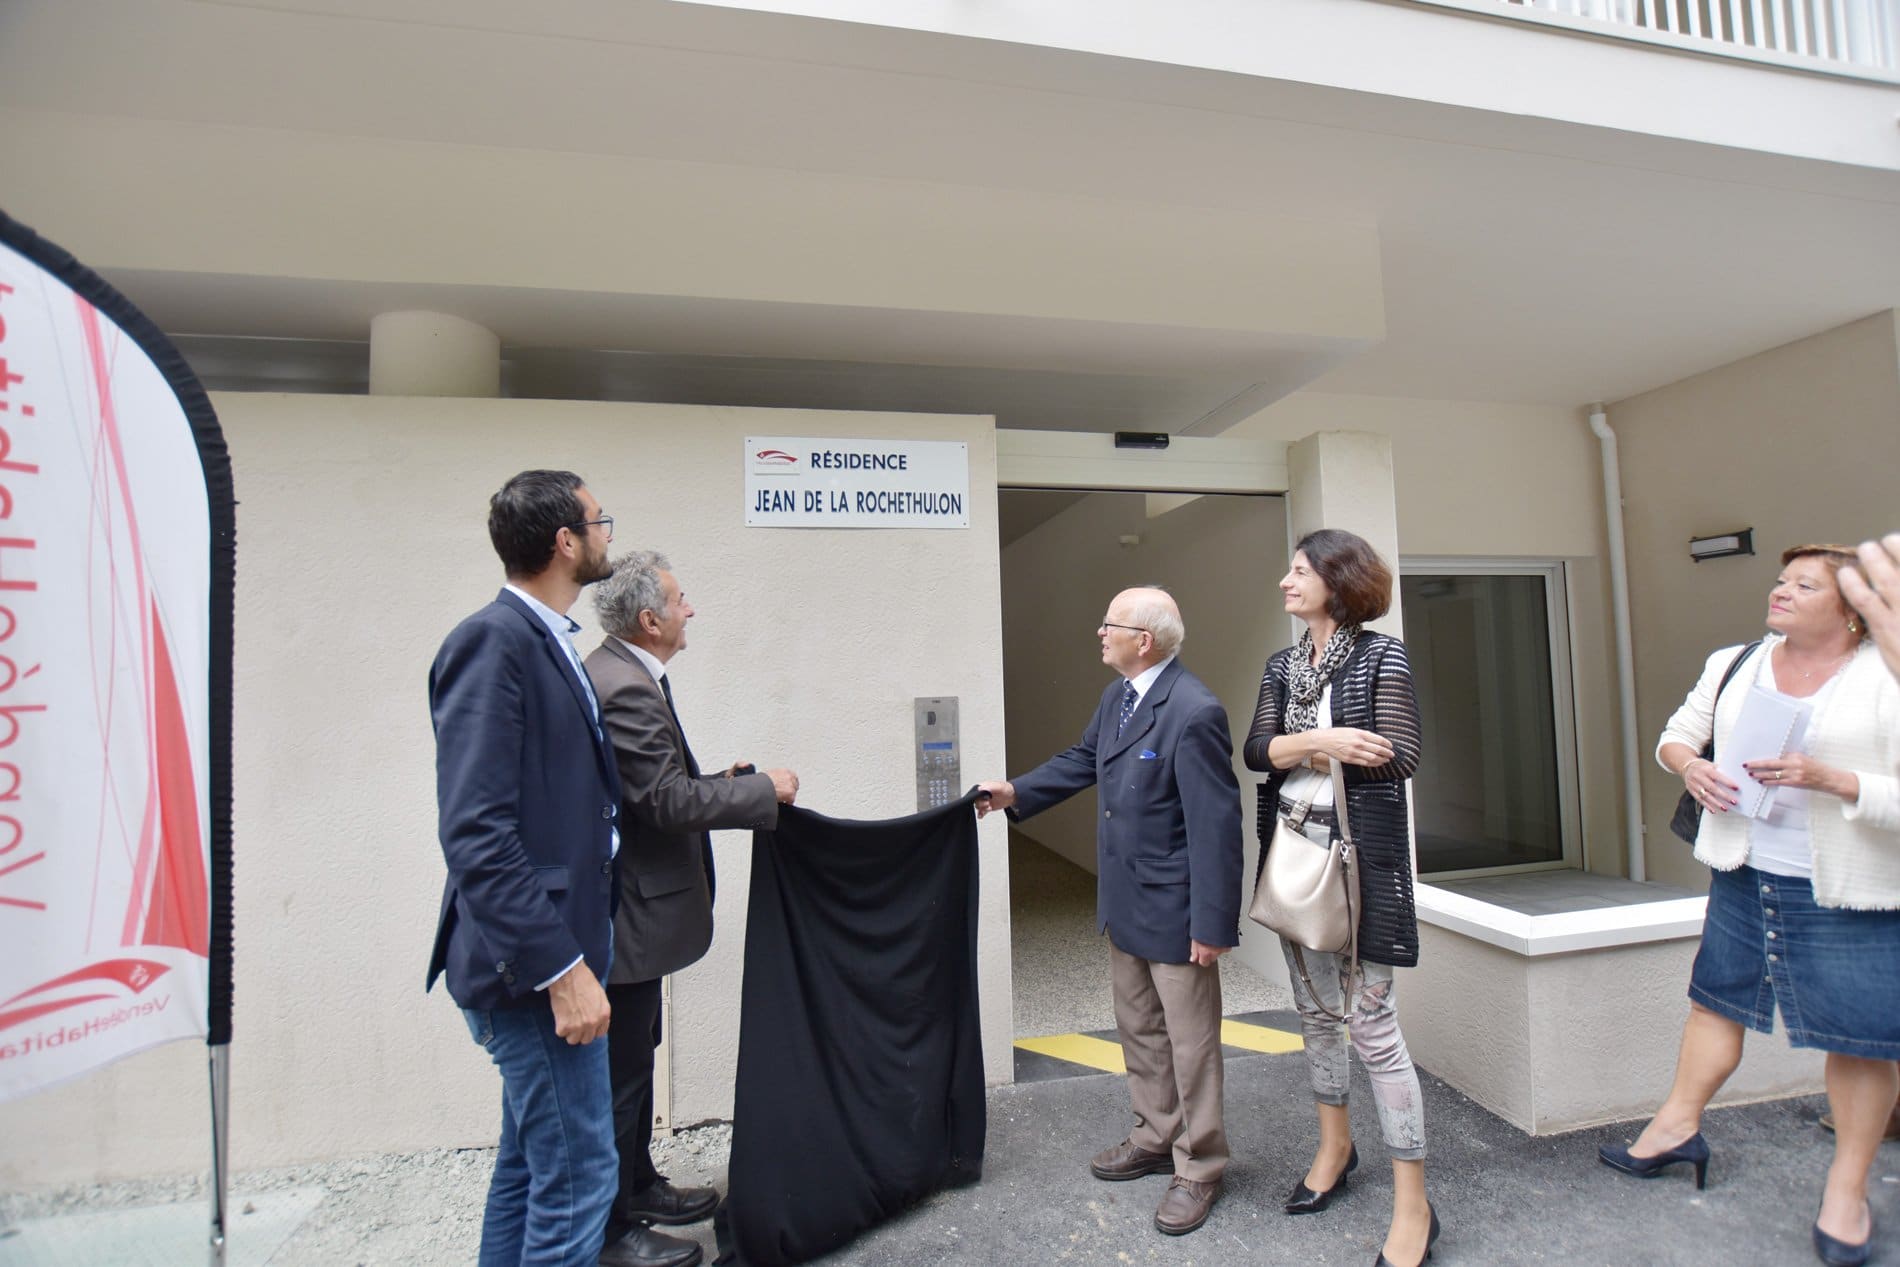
(800, 482)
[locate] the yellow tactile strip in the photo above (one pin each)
(1092, 1052)
(1078, 1049)
(1274, 1042)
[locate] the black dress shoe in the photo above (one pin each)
(1431, 1239)
(661, 1202)
(1837, 1253)
(1303, 1200)
(1694, 1150)
(645, 1247)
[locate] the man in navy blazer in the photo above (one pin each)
(527, 796)
(1168, 855)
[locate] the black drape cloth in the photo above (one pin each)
(860, 1079)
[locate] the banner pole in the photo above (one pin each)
(220, 1146)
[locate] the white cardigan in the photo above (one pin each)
(1856, 847)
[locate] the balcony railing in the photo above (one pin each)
(1857, 38)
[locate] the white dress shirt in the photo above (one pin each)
(1146, 678)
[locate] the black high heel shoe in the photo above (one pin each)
(1840, 1253)
(1303, 1200)
(1694, 1150)
(1431, 1239)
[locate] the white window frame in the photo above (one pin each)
(1562, 689)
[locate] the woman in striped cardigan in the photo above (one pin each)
(1344, 694)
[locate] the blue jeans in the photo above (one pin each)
(556, 1172)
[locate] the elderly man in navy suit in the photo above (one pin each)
(1168, 850)
(527, 796)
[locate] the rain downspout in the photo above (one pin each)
(1625, 652)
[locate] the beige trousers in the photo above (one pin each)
(1168, 1016)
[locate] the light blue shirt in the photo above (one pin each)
(564, 627)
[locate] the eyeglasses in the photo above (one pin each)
(1109, 624)
(606, 521)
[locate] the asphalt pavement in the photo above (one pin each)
(1503, 1197)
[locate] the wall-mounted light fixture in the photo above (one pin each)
(1722, 547)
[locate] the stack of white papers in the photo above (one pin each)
(1770, 725)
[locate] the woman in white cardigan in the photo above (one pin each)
(1804, 903)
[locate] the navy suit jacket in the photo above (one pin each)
(1168, 840)
(526, 796)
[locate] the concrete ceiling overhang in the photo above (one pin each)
(309, 237)
(562, 168)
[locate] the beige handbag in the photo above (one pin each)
(1309, 893)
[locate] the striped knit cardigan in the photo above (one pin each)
(1371, 691)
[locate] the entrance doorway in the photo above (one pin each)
(1065, 553)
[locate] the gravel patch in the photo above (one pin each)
(414, 1208)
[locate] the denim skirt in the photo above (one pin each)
(1835, 974)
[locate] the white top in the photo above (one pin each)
(1303, 780)
(1856, 848)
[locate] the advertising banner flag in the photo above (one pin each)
(116, 560)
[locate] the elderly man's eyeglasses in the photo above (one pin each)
(1109, 624)
(606, 521)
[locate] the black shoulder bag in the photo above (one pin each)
(1687, 820)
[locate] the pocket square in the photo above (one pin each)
(1147, 754)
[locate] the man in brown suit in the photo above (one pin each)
(664, 919)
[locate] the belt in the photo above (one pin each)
(1321, 814)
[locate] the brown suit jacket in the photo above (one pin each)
(664, 920)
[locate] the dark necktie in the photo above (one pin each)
(1129, 699)
(666, 689)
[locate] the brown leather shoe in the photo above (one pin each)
(1893, 1124)
(1129, 1161)
(1185, 1205)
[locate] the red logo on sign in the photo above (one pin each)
(132, 974)
(776, 457)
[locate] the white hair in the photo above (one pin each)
(1157, 613)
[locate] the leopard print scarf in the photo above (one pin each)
(1307, 681)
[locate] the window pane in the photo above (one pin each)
(1486, 791)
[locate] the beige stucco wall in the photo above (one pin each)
(1483, 480)
(1556, 1042)
(361, 542)
(1799, 443)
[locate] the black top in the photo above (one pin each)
(1371, 691)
